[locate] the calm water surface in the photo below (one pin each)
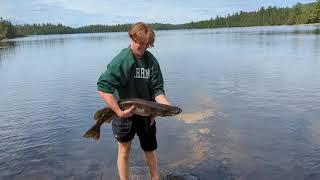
(252, 97)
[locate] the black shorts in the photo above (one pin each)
(124, 130)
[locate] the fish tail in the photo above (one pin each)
(93, 132)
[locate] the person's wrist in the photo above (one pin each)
(120, 113)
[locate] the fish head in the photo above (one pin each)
(173, 110)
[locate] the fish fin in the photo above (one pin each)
(104, 114)
(110, 118)
(93, 132)
(98, 114)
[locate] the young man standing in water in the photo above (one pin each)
(134, 73)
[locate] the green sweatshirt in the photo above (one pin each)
(130, 78)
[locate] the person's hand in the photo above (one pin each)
(126, 113)
(152, 120)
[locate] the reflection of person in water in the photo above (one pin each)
(134, 73)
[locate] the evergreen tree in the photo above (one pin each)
(7, 30)
(315, 14)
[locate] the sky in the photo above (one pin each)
(78, 13)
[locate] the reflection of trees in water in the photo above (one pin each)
(6, 49)
(39, 42)
(49, 41)
(316, 44)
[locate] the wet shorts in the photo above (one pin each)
(124, 130)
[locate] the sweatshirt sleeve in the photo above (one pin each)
(109, 80)
(115, 76)
(156, 80)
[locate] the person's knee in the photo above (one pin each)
(150, 157)
(149, 153)
(124, 149)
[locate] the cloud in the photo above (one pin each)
(83, 12)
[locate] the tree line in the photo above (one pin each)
(265, 16)
(7, 30)
(298, 14)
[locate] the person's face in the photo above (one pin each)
(138, 49)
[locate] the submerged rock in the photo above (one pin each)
(141, 173)
(177, 176)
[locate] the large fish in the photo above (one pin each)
(141, 107)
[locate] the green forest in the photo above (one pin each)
(265, 16)
(7, 30)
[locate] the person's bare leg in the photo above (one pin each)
(151, 160)
(123, 159)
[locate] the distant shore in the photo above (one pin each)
(317, 31)
(298, 14)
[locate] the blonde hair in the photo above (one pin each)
(142, 33)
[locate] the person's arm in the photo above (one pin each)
(111, 101)
(162, 99)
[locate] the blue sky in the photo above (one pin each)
(84, 12)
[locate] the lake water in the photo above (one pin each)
(250, 98)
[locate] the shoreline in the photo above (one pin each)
(20, 36)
